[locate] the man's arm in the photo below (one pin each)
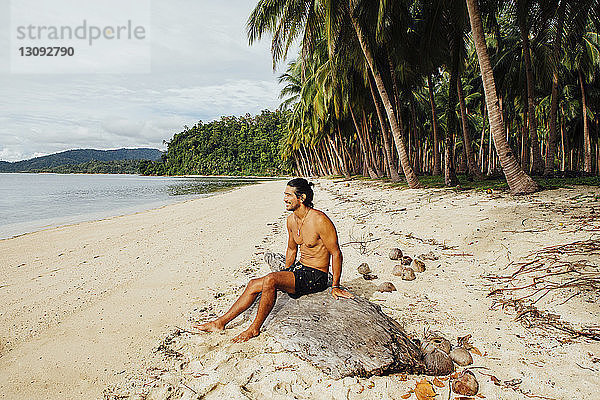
(292, 247)
(330, 240)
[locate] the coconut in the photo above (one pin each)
(418, 265)
(438, 363)
(395, 254)
(408, 274)
(465, 384)
(398, 270)
(461, 356)
(364, 269)
(386, 287)
(437, 341)
(369, 277)
(406, 260)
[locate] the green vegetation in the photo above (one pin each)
(442, 88)
(97, 167)
(244, 145)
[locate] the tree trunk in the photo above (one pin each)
(305, 170)
(382, 122)
(437, 169)
(306, 161)
(415, 153)
(490, 155)
(411, 177)
(466, 137)
(552, 134)
(450, 178)
(563, 163)
(524, 140)
(322, 168)
(363, 146)
(587, 143)
(367, 138)
(339, 155)
(518, 181)
(482, 142)
(537, 165)
(331, 155)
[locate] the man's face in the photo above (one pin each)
(292, 202)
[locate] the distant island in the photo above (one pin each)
(120, 161)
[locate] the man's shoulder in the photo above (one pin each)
(320, 216)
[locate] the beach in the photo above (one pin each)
(105, 308)
(85, 302)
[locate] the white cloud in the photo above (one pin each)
(202, 68)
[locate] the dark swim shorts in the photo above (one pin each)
(307, 280)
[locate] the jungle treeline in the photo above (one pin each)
(404, 88)
(246, 145)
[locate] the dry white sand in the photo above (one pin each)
(80, 304)
(84, 306)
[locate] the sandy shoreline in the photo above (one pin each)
(83, 303)
(83, 306)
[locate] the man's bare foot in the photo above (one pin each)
(246, 335)
(212, 326)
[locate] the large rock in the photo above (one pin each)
(344, 337)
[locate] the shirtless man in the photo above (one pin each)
(314, 232)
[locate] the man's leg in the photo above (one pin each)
(283, 280)
(252, 290)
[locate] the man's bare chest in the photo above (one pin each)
(308, 238)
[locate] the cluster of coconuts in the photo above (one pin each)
(407, 267)
(440, 357)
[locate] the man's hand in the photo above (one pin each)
(337, 292)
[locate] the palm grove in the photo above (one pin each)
(438, 87)
(403, 88)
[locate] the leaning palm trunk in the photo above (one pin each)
(363, 147)
(468, 149)
(386, 145)
(553, 131)
(518, 181)
(411, 177)
(587, 143)
(340, 156)
(334, 161)
(369, 143)
(537, 165)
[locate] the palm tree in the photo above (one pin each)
(518, 181)
(552, 134)
(437, 162)
(573, 17)
(584, 47)
(367, 48)
(524, 12)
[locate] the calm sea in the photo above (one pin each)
(30, 202)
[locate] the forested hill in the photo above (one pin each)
(247, 145)
(79, 156)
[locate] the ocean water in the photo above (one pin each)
(30, 202)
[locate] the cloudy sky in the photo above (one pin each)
(200, 67)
